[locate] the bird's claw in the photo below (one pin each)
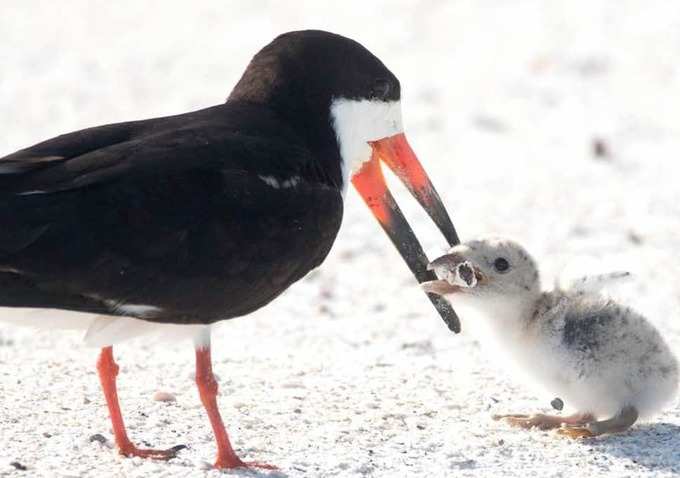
(168, 454)
(261, 466)
(235, 462)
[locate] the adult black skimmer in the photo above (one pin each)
(209, 215)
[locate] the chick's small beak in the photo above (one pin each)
(439, 287)
(370, 183)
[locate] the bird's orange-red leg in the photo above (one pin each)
(108, 370)
(207, 389)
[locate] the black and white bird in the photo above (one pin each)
(603, 360)
(186, 220)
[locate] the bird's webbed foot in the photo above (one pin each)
(621, 422)
(131, 450)
(543, 421)
(538, 420)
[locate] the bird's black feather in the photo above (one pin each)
(172, 212)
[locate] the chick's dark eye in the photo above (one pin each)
(381, 88)
(501, 264)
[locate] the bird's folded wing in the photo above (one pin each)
(64, 147)
(111, 152)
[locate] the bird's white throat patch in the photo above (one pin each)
(356, 122)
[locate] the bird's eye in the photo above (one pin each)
(501, 264)
(381, 88)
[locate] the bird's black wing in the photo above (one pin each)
(66, 146)
(213, 141)
(228, 137)
(173, 212)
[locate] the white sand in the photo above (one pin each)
(351, 372)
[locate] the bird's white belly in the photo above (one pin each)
(100, 330)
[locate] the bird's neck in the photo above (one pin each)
(296, 106)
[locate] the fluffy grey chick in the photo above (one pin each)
(604, 360)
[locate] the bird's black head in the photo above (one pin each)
(345, 105)
(304, 71)
(335, 93)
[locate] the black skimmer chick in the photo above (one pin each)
(604, 360)
(191, 219)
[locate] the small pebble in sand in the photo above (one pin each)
(557, 403)
(99, 438)
(600, 149)
(160, 396)
(635, 238)
(18, 466)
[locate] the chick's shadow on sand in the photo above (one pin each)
(650, 445)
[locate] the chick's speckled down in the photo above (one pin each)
(598, 356)
(610, 355)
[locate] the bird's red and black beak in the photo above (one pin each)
(370, 183)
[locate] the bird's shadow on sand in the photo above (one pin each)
(251, 473)
(653, 446)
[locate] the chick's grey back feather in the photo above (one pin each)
(601, 335)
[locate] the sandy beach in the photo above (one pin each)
(557, 124)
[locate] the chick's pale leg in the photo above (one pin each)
(544, 422)
(621, 422)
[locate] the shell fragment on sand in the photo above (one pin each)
(463, 275)
(160, 396)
